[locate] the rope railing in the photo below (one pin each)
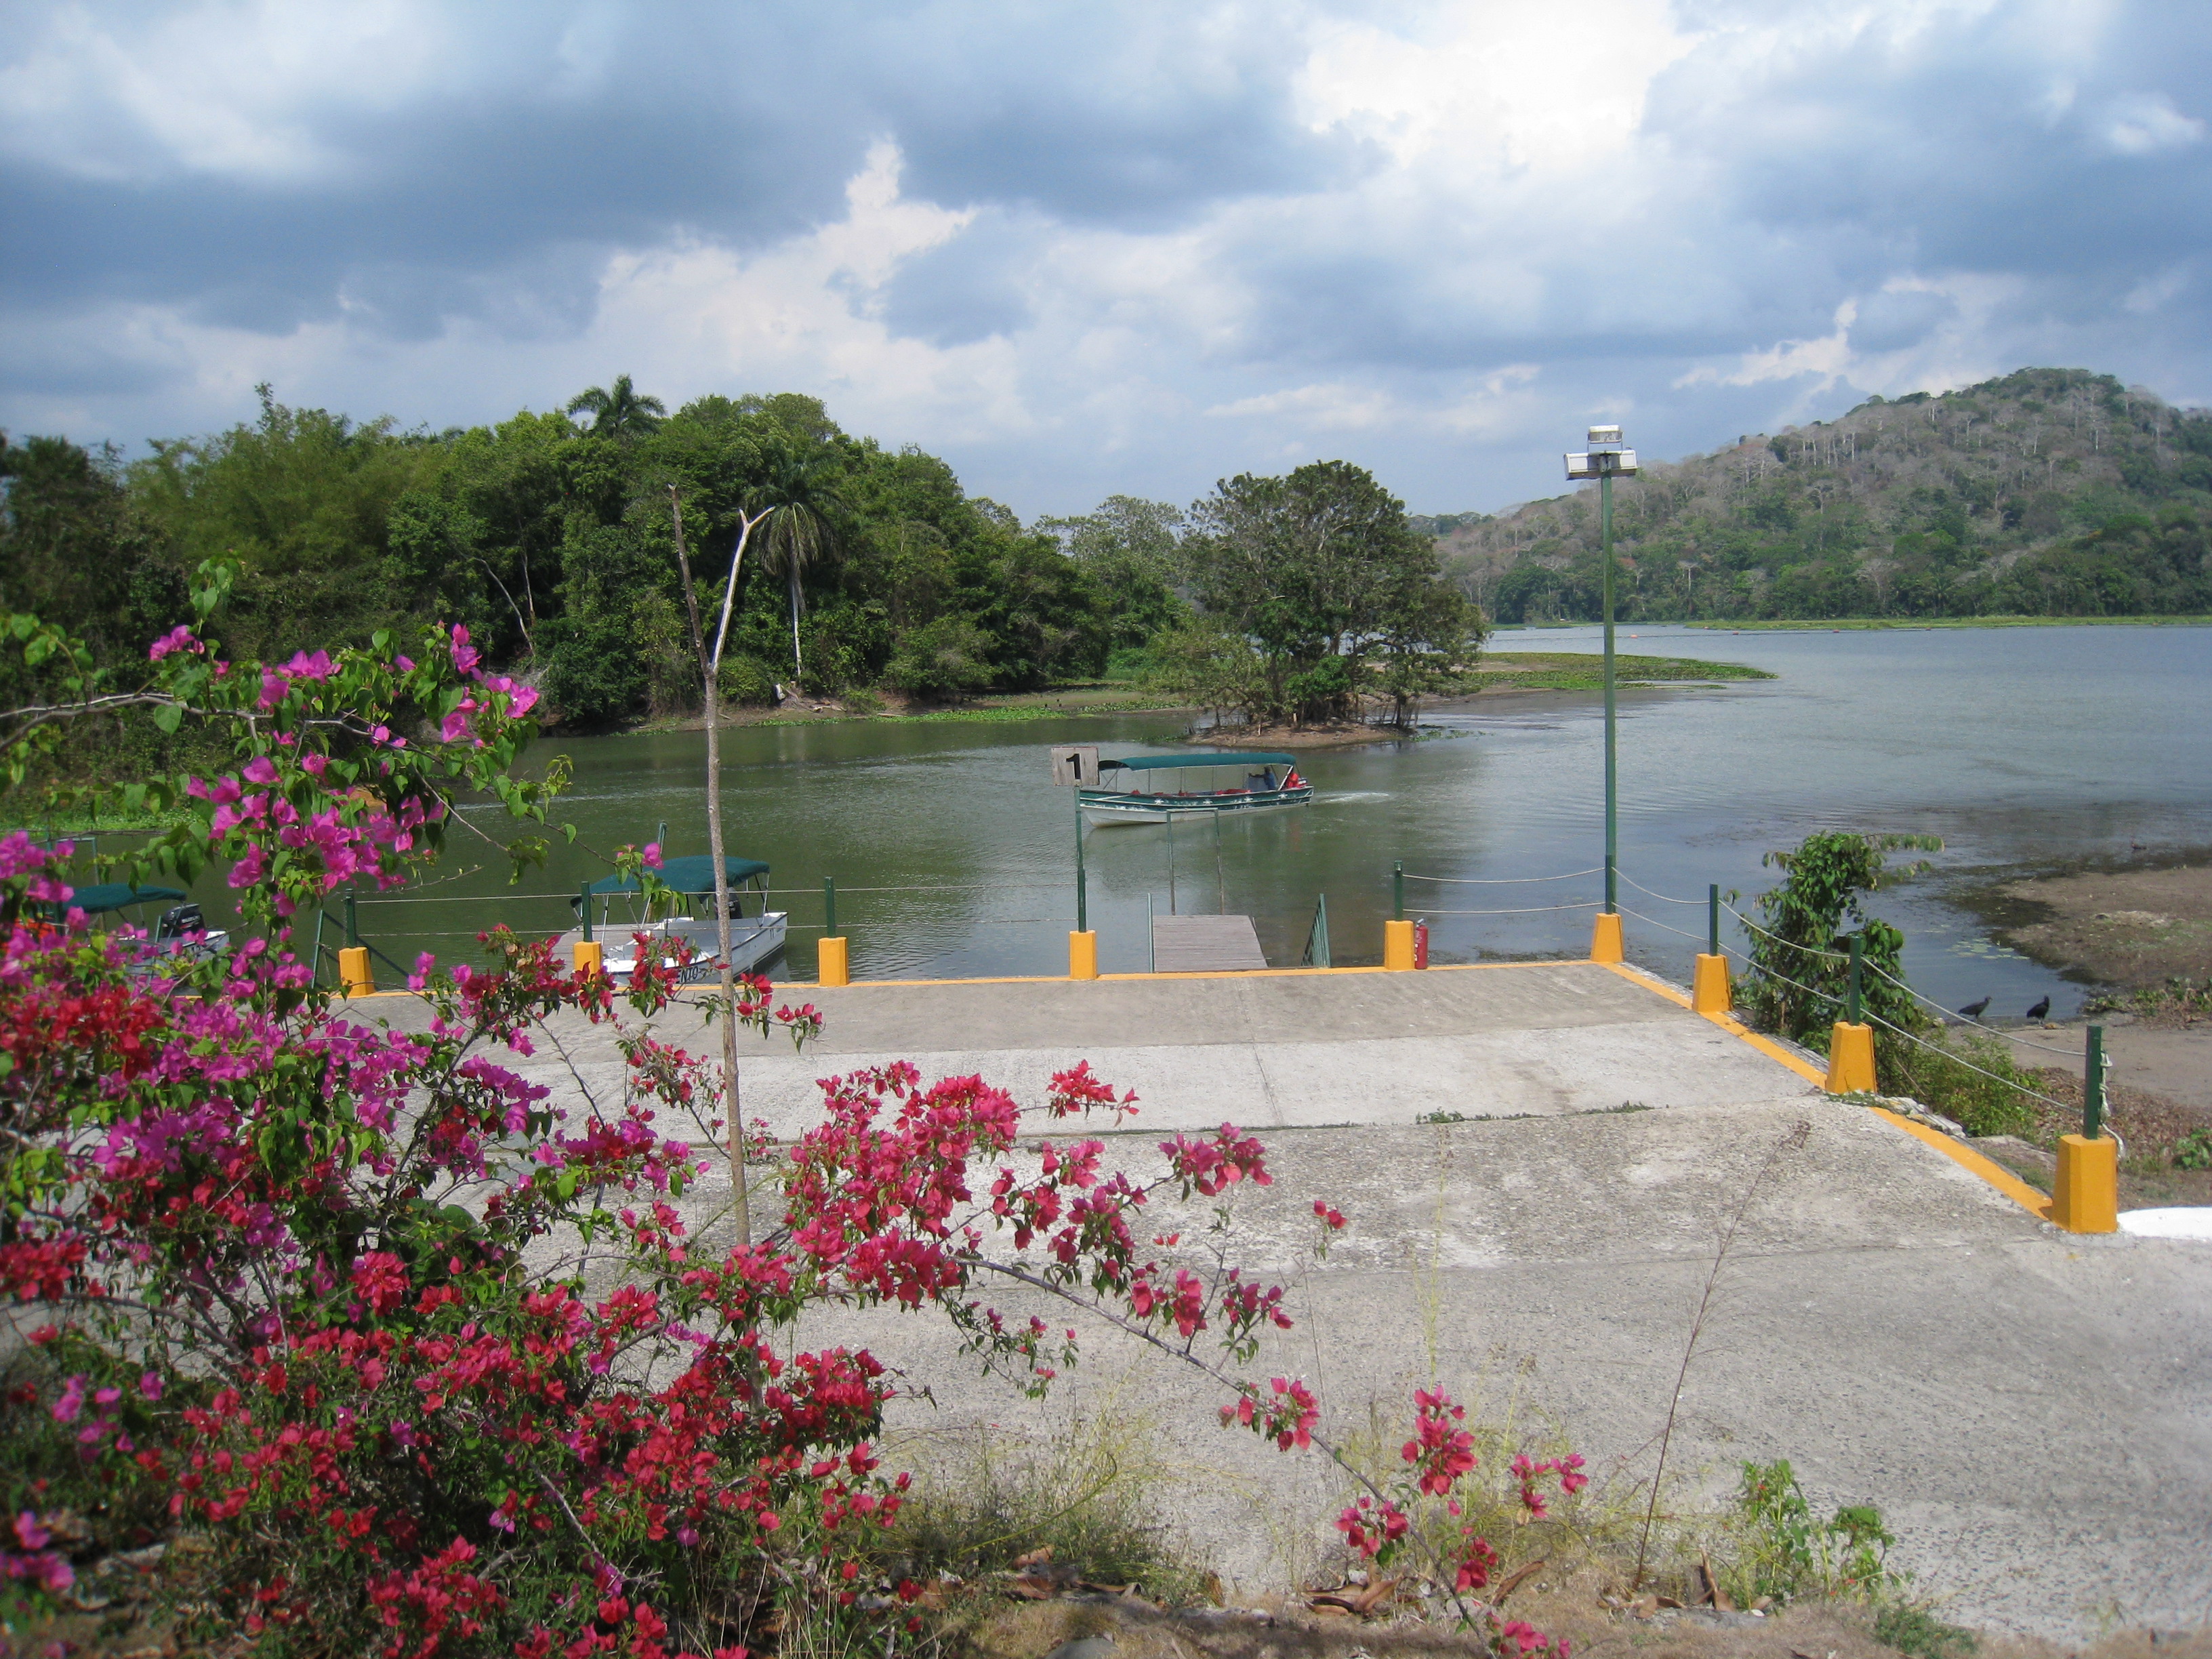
(1524, 910)
(1502, 881)
(1664, 898)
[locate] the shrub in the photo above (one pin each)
(1919, 1634)
(1784, 1553)
(943, 659)
(747, 681)
(1972, 1080)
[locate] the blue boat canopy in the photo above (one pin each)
(1161, 762)
(107, 896)
(694, 874)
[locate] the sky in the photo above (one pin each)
(1085, 250)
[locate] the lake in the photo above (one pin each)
(2023, 748)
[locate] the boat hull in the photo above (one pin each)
(753, 941)
(1120, 806)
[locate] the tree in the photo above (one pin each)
(1428, 641)
(618, 412)
(1310, 566)
(1131, 551)
(797, 485)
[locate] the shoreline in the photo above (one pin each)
(1503, 673)
(2129, 925)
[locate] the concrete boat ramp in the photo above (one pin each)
(1537, 1161)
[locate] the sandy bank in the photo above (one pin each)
(2125, 927)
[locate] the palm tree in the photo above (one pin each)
(619, 414)
(798, 488)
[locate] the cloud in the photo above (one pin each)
(2143, 124)
(1115, 248)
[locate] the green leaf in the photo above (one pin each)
(169, 717)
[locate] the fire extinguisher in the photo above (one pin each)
(1421, 943)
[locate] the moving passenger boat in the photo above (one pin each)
(754, 938)
(1135, 788)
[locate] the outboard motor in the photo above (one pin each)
(180, 921)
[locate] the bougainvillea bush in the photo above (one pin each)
(401, 1352)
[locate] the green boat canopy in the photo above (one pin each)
(107, 896)
(694, 874)
(1161, 762)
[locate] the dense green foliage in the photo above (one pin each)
(2049, 492)
(1799, 979)
(549, 539)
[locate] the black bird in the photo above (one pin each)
(1973, 1010)
(2040, 1009)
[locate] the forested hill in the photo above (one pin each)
(2050, 492)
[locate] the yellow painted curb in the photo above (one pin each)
(1215, 973)
(1971, 1161)
(1965, 1157)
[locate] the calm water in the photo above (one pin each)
(2020, 747)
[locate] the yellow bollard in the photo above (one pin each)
(1082, 954)
(1850, 1059)
(353, 971)
(1605, 939)
(2086, 1196)
(1398, 947)
(1709, 992)
(829, 967)
(589, 955)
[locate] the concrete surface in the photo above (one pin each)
(2030, 1411)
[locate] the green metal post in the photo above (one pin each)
(2092, 1085)
(585, 893)
(1713, 920)
(1172, 910)
(829, 906)
(353, 921)
(661, 840)
(1398, 892)
(1082, 880)
(1851, 997)
(1612, 769)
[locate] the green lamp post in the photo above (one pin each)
(1608, 459)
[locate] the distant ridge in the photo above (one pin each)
(2048, 492)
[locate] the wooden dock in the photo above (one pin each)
(1205, 945)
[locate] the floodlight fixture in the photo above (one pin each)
(1607, 457)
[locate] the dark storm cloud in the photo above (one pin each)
(475, 206)
(740, 126)
(969, 287)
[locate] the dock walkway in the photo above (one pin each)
(1205, 945)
